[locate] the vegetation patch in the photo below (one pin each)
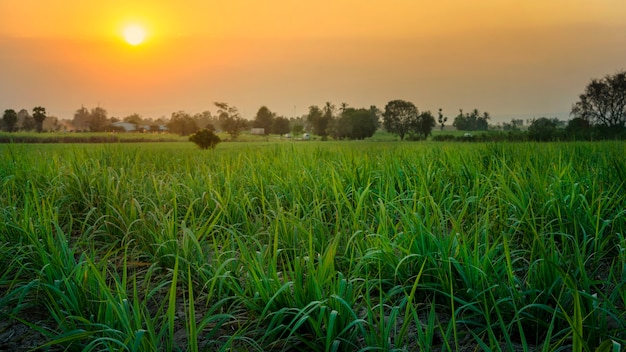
(317, 246)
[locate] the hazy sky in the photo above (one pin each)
(512, 58)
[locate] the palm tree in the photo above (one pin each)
(39, 114)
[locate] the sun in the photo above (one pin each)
(134, 34)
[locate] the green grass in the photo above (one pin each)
(323, 246)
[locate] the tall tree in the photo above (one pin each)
(25, 120)
(81, 118)
(263, 119)
(39, 115)
(400, 117)
(317, 121)
(10, 119)
(230, 120)
(98, 119)
(604, 103)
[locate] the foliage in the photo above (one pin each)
(182, 123)
(424, 124)
(400, 117)
(94, 120)
(205, 139)
(39, 115)
(9, 118)
(356, 123)
(280, 125)
(472, 121)
(315, 246)
(543, 129)
(578, 129)
(514, 125)
(26, 120)
(230, 120)
(604, 103)
(442, 119)
(98, 120)
(321, 119)
(264, 119)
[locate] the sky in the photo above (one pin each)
(511, 58)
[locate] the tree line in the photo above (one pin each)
(599, 113)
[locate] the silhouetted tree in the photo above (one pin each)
(39, 115)
(10, 120)
(424, 124)
(25, 120)
(263, 119)
(543, 129)
(134, 118)
(442, 119)
(81, 118)
(230, 120)
(320, 119)
(400, 117)
(182, 123)
(578, 129)
(205, 139)
(356, 123)
(280, 125)
(472, 121)
(98, 119)
(604, 103)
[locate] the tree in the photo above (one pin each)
(425, 124)
(229, 119)
(10, 120)
(39, 114)
(81, 118)
(297, 129)
(472, 121)
(26, 120)
(315, 118)
(543, 129)
(134, 118)
(98, 119)
(320, 119)
(604, 103)
(280, 125)
(182, 123)
(264, 118)
(356, 123)
(400, 117)
(442, 119)
(206, 119)
(578, 129)
(205, 139)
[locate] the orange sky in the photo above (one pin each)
(511, 58)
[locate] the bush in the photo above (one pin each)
(205, 139)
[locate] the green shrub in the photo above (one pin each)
(205, 139)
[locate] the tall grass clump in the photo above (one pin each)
(315, 246)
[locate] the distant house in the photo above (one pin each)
(127, 126)
(259, 131)
(131, 127)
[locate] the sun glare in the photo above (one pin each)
(134, 34)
